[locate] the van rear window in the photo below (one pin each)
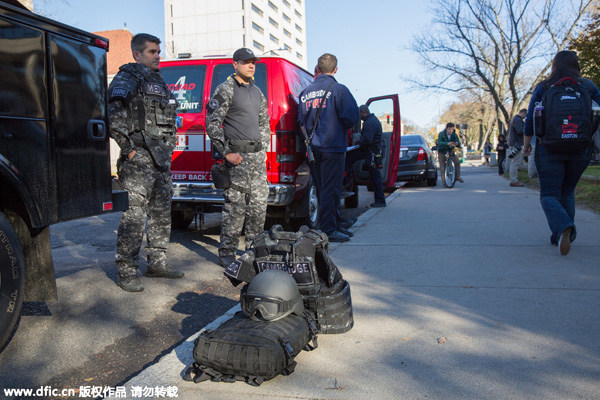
(222, 71)
(187, 84)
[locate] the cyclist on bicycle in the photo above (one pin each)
(446, 141)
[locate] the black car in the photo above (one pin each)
(417, 161)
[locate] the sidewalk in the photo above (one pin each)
(457, 294)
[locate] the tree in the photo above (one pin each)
(495, 49)
(587, 46)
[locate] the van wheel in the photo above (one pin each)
(352, 201)
(12, 280)
(181, 219)
(311, 206)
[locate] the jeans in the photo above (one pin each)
(558, 175)
(515, 163)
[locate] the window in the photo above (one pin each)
(24, 87)
(286, 47)
(274, 39)
(257, 10)
(299, 55)
(298, 28)
(258, 45)
(187, 84)
(258, 28)
(298, 14)
(288, 19)
(299, 42)
(287, 33)
(273, 22)
(222, 71)
(287, 3)
(273, 6)
(299, 2)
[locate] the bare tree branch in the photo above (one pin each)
(501, 48)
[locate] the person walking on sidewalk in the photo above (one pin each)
(237, 123)
(515, 141)
(446, 138)
(487, 152)
(501, 150)
(339, 112)
(142, 112)
(370, 145)
(559, 172)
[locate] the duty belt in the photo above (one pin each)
(245, 146)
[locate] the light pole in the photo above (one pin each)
(273, 51)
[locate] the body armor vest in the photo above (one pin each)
(153, 111)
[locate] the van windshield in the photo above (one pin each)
(222, 71)
(187, 84)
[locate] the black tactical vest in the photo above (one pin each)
(153, 112)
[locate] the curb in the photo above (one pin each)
(169, 369)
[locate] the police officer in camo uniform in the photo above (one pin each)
(142, 114)
(237, 123)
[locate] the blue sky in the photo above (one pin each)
(370, 39)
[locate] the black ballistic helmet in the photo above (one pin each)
(272, 295)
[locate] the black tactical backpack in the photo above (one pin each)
(567, 117)
(252, 351)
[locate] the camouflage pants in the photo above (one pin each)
(251, 174)
(150, 193)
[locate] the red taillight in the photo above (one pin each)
(422, 155)
(107, 206)
(101, 43)
(286, 147)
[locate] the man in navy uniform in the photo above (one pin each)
(328, 139)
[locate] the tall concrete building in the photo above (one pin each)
(219, 27)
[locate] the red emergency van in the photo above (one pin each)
(292, 194)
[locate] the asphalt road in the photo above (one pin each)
(97, 334)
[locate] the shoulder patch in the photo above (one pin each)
(214, 103)
(120, 93)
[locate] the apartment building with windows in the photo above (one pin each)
(211, 28)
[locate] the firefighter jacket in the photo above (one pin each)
(340, 113)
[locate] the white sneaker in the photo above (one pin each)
(564, 242)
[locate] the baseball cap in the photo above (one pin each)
(244, 54)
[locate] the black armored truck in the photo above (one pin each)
(54, 148)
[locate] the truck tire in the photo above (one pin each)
(181, 219)
(310, 203)
(352, 201)
(12, 280)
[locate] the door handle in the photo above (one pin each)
(6, 136)
(96, 130)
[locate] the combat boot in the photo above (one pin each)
(130, 283)
(224, 261)
(163, 271)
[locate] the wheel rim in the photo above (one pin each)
(313, 205)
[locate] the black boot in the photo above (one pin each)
(130, 283)
(163, 271)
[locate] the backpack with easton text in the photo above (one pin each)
(567, 117)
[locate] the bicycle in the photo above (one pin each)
(449, 176)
